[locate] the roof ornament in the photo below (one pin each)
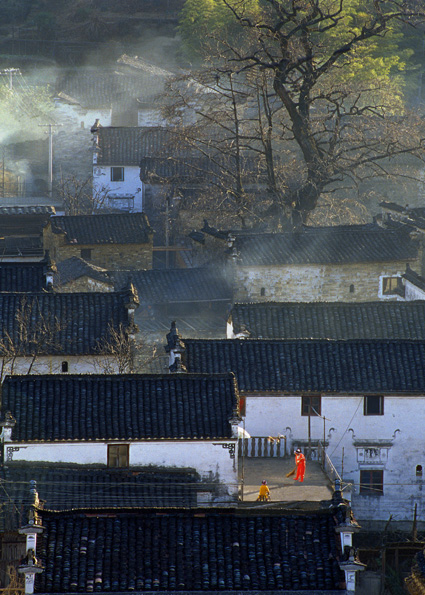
(175, 348)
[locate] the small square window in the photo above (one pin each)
(311, 405)
(117, 174)
(373, 405)
(372, 482)
(118, 455)
(85, 253)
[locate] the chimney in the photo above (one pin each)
(175, 348)
(7, 425)
(131, 303)
(49, 270)
(234, 421)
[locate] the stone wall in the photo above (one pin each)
(357, 282)
(108, 256)
(83, 284)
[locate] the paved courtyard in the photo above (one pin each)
(315, 488)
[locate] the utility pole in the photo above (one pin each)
(10, 72)
(50, 164)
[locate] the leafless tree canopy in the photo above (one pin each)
(78, 196)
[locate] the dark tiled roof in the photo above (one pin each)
(45, 210)
(414, 278)
(323, 366)
(336, 320)
(22, 276)
(64, 487)
(161, 286)
(127, 145)
(337, 245)
(92, 407)
(60, 323)
(75, 267)
(96, 88)
(186, 552)
(125, 228)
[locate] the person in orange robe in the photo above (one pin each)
(300, 463)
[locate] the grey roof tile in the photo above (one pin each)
(162, 286)
(97, 88)
(66, 487)
(208, 551)
(22, 276)
(363, 366)
(331, 320)
(124, 407)
(322, 245)
(60, 323)
(127, 145)
(75, 267)
(117, 228)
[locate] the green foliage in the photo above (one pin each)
(379, 61)
(203, 22)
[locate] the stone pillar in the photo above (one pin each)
(30, 566)
(8, 424)
(175, 348)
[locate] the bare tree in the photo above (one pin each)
(122, 354)
(32, 335)
(78, 196)
(334, 130)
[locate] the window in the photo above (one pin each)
(263, 291)
(86, 253)
(392, 286)
(64, 367)
(373, 405)
(372, 482)
(418, 470)
(311, 405)
(117, 174)
(117, 455)
(351, 288)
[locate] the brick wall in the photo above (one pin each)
(357, 282)
(108, 256)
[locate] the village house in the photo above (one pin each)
(362, 400)
(185, 551)
(166, 421)
(112, 241)
(124, 95)
(47, 332)
(117, 154)
(357, 263)
(21, 232)
(328, 320)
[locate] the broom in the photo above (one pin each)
(291, 473)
